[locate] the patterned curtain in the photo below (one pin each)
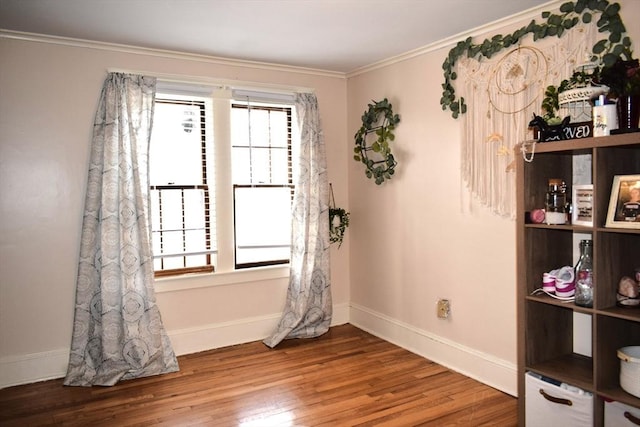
(117, 332)
(308, 306)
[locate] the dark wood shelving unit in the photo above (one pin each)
(545, 325)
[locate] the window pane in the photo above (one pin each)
(196, 260)
(280, 166)
(170, 263)
(171, 205)
(280, 128)
(180, 199)
(262, 182)
(194, 209)
(176, 140)
(263, 223)
(155, 209)
(241, 171)
(261, 155)
(261, 166)
(240, 127)
(260, 132)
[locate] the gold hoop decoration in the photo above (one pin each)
(521, 67)
(378, 119)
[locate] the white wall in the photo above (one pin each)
(48, 98)
(414, 241)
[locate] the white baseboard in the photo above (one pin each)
(193, 340)
(494, 372)
(30, 368)
(483, 367)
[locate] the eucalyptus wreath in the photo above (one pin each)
(338, 220)
(607, 50)
(338, 223)
(379, 119)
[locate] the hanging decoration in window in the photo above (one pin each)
(380, 120)
(338, 221)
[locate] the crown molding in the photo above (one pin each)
(136, 50)
(122, 48)
(451, 41)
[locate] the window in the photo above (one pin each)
(236, 216)
(183, 233)
(262, 183)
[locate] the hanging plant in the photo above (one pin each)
(338, 221)
(607, 51)
(380, 120)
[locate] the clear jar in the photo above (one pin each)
(584, 275)
(556, 202)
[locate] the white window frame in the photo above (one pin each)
(220, 98)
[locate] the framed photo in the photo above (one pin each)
(624, 205)
(582, 213)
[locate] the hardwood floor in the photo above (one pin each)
(345, 378)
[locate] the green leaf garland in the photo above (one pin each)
(607, 50)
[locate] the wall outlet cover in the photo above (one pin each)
(443, 308)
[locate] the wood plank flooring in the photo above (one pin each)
(347, 377)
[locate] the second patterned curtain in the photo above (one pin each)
(308, 306)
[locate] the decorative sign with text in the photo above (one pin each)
(570, 131)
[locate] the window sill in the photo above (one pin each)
(194, 281)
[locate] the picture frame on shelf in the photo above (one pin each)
(582, 197)
(624, 204)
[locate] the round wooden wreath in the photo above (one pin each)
(378, 119)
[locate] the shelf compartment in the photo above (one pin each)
(538, 173)
(573, 369)
(612, 333)
(546, 299)
(547, 248)
(624, 313)
(615, 255)
(549, 344)
(619, 395)
(609, 162)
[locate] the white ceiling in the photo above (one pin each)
(332, 35)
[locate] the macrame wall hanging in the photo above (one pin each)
(502, 94)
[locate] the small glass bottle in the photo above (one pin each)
(584, 275)
(556, 202)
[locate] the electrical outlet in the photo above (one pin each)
(443, 308)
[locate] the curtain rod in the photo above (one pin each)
(217, 83)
